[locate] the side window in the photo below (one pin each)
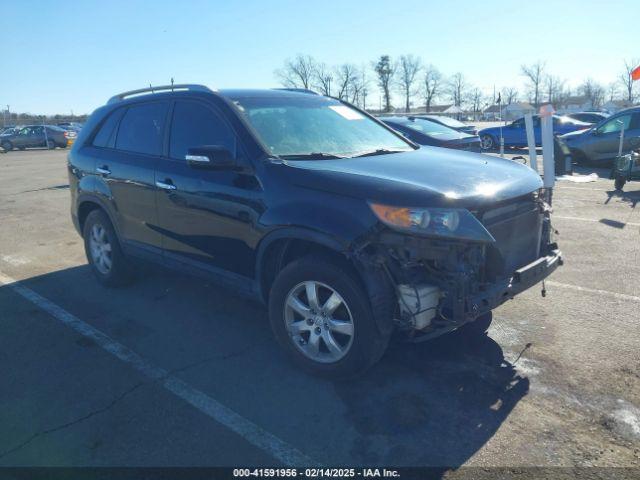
(38, 131)
(518, 123)
(635, 121)
(615, 124)
(107, 132)
(141, 128)
(196, 125)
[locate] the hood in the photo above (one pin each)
(574, 134)
(429, 176)
(453, 136)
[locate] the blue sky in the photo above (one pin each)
(72, 55)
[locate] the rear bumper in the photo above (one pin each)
(524, 278)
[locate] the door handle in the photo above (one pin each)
(103, 170)
(166, 185)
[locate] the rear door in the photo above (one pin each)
(127, 165)
(37, 138)
(207, 217)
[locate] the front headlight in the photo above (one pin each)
(439, 222)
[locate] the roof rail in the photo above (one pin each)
(163, 88)
(299, 90)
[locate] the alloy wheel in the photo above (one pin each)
(487, 142)
(100, 248)
(319, 322)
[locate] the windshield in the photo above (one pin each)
(450, 122)
(308, 125)
(427, 127)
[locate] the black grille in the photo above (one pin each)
(517, 228)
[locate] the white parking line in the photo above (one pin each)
(629, 224)
(621, 296)
(251, 432)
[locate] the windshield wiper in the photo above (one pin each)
(380, 151)
(310, 156)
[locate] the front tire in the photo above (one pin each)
(619, 183)
(103, 251)
(7, 146)
(321, 315)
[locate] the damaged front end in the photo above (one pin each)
(444, 279)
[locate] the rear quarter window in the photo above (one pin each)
(141, 128)
(106, 133)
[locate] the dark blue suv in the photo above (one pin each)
(347, 230)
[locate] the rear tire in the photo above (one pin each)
(51, 145)
(7, 146)
(103, 251)
(487, 142)
(338, 343)
(619, 183)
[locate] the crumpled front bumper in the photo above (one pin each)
(500, 291)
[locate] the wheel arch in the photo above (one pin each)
(286, 245)
(88, 203)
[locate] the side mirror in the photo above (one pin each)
(210, 156)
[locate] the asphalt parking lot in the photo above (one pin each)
(187, 374)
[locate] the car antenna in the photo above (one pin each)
(151, 88)
(172, 84)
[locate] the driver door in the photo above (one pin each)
(207, 217)
(608, 136)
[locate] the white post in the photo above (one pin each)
(548, 164)
(621, 138)
(501, 137)
(531, 141)
(46, 137)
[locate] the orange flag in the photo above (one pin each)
(635, 74)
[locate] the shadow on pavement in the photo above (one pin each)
(430, 404)
(442, 400)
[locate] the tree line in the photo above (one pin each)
(420, 83)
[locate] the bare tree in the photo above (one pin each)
(625, 78)
(535, 75)
(298, 72)
(345, 76)
(432, 83)
(457, 88)
(385, 70)
(612, 91)
(359, 88)
(323, 78)
(408, 69)
(509, 95)
(554, 86)
(593, 91)
(476, 101)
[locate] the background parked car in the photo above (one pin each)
(70, 126)
(34, 136)
(6, 130)
(71, 133)
(451, 123)
(599, 144)
(588, 117)
(515, 134)
(426, 132)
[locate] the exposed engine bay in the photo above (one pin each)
(442, 284)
